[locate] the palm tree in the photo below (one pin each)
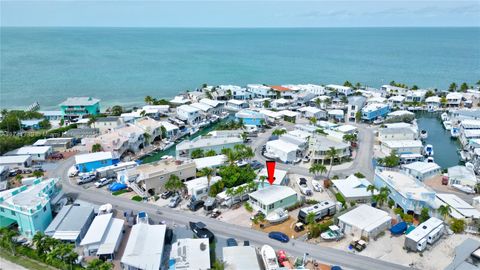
(332, 153)
(174, 184)
(262, 180)
(37, 174)
(231, 155)
(382, 196)
(96, 147)
(143, 113)
(266, 103)
(371, 188)
(279, 132)
(244, 136)
(247, 152)
(148, 100)
(7, 240)
(317, 168)
(38, 241)
(208, 172)
(210, 153)
(444, 210)
(147, 137)
(311, 221)
(452, 87)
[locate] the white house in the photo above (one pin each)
(260, 90)
(397, 134)
(396, 101)
(237, 105)
(280, 104)
(281, 177)
(401, 147)
(433, 103)
(189, 114)
(37, 153)
(104, 236)
(422, 170)
(272, 197)
(105, 124)
(144, 249)
(390, 89)
(461, 175)
(454, 99)
(198, 187)
(354, 189)
(16, 161)
(344, 90)
(217, 106)
(188, 253)
(310, 112)
(415, 95)
(460, 208)
(240, 257)
(364, 221)
(172, 130)
(283, 150)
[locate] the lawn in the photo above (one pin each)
(118, 192)
(24, 261)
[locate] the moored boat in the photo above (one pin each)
(269, 258)
(429, 160)
(428, 150)
(444, 116)
(277, 216)
(447, 125)
(423, 134)
(454, 132)
(194, 130)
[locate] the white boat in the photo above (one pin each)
(269, 258)
(224, 115)
(168, 145)
(316, 186)
(447, 125)
(429, 160)
(428, 150)
(194, 130)
(454, 132)
(142, 217)
(302, 184)
(105, 209)
(277, 216)
(333, 233)
(423, 134)
(466, 189)
(444, 116)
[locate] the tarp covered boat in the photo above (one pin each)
(399, 228)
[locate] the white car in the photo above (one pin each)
(102, 182)
(316, 186)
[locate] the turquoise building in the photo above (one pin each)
(28, 206)
(75, 107)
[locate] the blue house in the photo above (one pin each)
(75, 107)
(250, 117)
(92, 161)
(375, 110)
(407, 192)
(28, 206)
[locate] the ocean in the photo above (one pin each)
(123, 65)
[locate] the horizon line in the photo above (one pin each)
(239, 27)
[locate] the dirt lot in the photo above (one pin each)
(239, 216)
(319, 196)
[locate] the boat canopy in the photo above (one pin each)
(399, 228)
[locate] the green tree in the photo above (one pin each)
(443, 101)
(197, 153)
(358, 116)
(208, 172)
(96, 148)
(429, 93)
(174, 184)
(244, 136)
(464, 87)
(311, 221)
(117, 110)
(262, 180)
(350, 138)
(10, 123)
(148, 100)
(62, 122)
(210, 153)
(332, 154)
(279, 132)
(313, 120)
(317, 168)
(391, 160)
(348, 84)
(452, 87)
(44, 124)
(382, 196)
(266, 103)
(444, 211)
(164, 132)
(97, 264)
(414, 87)
(371, 188)
(6, 240)
(37, 174)
(457, 225)
(358, 85)
(218, 265)
(424, 215)
(318, 102)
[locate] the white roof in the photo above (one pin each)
(335, 112)
(340, 87)
(240, 257)
(191, 253)
(201, 142)
(201, 182)
(110, 241)
(365, 217)
(353, 187)
(312, 110)
(80, 101)
(236, 102)
(201, 106)
(271, 114)
(424, 229)
(272, 193)
(97, 229)
(462, 173)
(400, 113)
(281, 145)
(346, 128)
(168, 126)
(279, 175)
(145, 246)
(188, 108)
(422, 167)
(14, 159)
(376, 100)
(289, 113)
(402, 143)
(179, 100)
(281, 101)
(210, 102)
(397, 98)
(460, 208)
(433, 99)
(454, 95)
(213, 161)
(299, 133)
(30, 150)
(91, 157)
(373, 107)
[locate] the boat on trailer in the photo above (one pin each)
(269, 258)
(277, 216)
(333, 233)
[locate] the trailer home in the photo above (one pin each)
(427, 232)
(321, 210)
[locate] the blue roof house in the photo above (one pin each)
(75, 107)
(28, 206)
(374, 110)
(92, 161)
(31, 123)
(250, 117)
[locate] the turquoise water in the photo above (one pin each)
(123, 65)
(445, 148)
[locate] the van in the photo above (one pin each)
(195, 205)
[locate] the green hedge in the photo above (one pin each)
(137, 198)
(118, 192)
(340, 198)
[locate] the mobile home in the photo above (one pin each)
(426, 233)
(321, 210)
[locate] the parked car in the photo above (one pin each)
(299, 227)
(167, 194)
(302, 183)
(231, 242)
(195, 205)
(200, 230)
(316, 186)
(256, 165)
(358, 245)
(174, 201)
(306, 159)
(215, 213)
(12, 173)
(279, 236)
(102, 182)
(56, 155)
(86, 179)
(27, 171)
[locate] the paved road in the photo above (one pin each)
(361, 163)
(257, 238)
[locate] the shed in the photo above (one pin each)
(365, 221)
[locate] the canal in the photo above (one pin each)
(445, 149)
(171, 151)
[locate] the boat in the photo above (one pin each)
(428, 150)
(430, 160)
(333, 233)
(447, 125)
(277, 216)
(466, 189)
(269, 258)
(224, 115)
(423, 134)
(444, 116)
(142, 217)
(454, 132)
(194, 130)
(105, 209)
(399, 228)
(168, 145)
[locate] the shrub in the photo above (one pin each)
(137, 198)
(407, 218)
(295, 206)
(359, 175)
(248, 207)
(118, 192)
(398, 211)
(457, 225)
(391, 203)
(352, 204)
(340, 198)
(311, 201)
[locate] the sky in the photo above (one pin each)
(229, 13)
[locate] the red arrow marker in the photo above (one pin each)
(270, 171)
